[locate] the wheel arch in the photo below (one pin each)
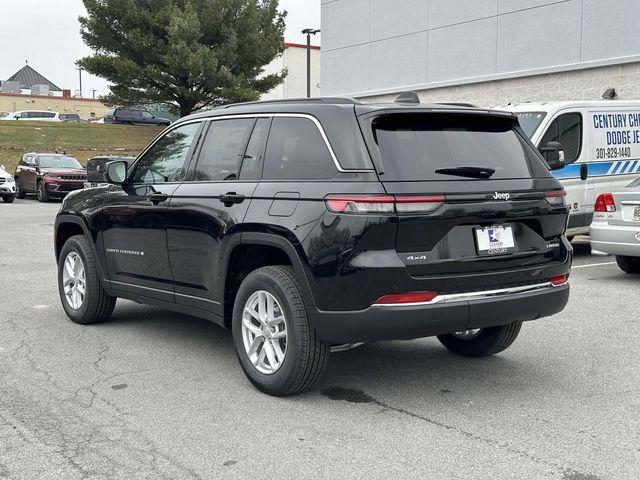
(252, 250)
(66, 226)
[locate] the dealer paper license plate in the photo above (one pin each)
(495, 240)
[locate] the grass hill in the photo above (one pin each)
(81, 140)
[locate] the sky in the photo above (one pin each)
(46, 33)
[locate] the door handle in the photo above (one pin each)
(584, 171)
(231, 198)
(157, 197)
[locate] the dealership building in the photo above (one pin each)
(487, 52)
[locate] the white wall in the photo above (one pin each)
(294, 59)
(374, 47)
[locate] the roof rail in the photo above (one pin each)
(408, 97)
(327, 100)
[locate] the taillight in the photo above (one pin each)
(559, 280)
(604, 203)
(404, 298)
(359, 203)
(410, 204)
(555, 197)
(363, 204)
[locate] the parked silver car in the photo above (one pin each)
(616, 226)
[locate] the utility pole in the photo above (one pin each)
(308, 32)
(80, 74)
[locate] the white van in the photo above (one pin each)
(597, 149)
(35, 115)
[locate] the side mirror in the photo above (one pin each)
(554, 155)
(116, 172)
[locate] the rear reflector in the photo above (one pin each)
(559, 280)
(555, 197)
(409, 297)
(382, 203)
(605, 203)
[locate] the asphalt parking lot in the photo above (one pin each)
(153, 394)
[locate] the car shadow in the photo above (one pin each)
(420, 367)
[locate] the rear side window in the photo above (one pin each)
(416, 147)
(297, 151)
(222, 150)
(566, 129)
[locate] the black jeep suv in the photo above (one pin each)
(303, 225)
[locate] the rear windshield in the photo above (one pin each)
(69, 116)
(416, 147)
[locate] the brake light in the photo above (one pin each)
(408, 297)
(555, 197)
(363, 204)
(559, 280)
(604, 203)
(359, 203)
(412, 204)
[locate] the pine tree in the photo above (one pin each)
(189, 54)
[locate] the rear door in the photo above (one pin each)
(207, 210)
(480, 194)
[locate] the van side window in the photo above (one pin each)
(566, 129)
(297, 151)
(222, 150)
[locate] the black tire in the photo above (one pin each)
(97, 305)
(628, 264)
(488, 342)
(20, 193)
(41, 191)
(306, 356)
(8, 198)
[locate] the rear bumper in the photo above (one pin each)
(455, 313)
(615, 239)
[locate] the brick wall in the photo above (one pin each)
(587, 84)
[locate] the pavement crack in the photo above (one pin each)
(360, 397)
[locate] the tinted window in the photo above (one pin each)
(58, 161)
(252, 162)
(48, 114)
(221, 152)
(165, 160)
(69, 116)
(566, 129)
(147, 115)
(297, 151)
(421, 146)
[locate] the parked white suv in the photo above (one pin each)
(34, 115)
(7, 186)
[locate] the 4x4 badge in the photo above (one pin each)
(501, 196)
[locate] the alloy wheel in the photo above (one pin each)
(74, 280)
(264, 332)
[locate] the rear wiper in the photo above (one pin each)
(469, 172)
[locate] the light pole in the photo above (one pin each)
(80, 74)
(308, 32)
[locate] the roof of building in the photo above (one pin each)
(28, 77)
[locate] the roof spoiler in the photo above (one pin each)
(408, 97)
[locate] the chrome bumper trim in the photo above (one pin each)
(461, 297)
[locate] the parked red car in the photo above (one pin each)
(48, 175)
